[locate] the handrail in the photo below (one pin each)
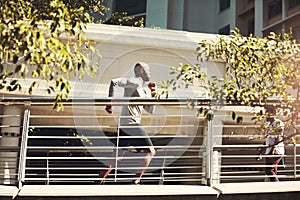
(119, 101)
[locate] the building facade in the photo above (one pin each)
(258, 17)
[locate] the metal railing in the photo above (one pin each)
(73, 146)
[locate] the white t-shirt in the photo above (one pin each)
(133, 87)
(276, 125)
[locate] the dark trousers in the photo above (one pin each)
(271, 168)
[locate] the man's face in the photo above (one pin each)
(146, 74)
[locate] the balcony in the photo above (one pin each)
(42, 147)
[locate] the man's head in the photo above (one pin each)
(271, 110)
(142, 70)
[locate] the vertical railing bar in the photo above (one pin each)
(47, 172)
(117, 150)
(23, 149)
(162, 173)
(295, 160)
(209, 150)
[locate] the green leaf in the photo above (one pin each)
(18, 68)
(15, 59)
(13, 82)
(233, 115)
(239, 119)
(62, 86)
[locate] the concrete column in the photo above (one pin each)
(284, 9)
(175, 14)
(213, 157)
(217, 125)
(259, 18)
(157, 13)
(10, 131)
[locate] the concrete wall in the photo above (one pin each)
(121, 47)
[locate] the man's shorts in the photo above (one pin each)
(134, 136)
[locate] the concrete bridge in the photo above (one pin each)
(227, 191)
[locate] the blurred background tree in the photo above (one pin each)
(259, 71)
(44, 41)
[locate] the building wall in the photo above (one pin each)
(250, 16)
(175, 14)
(227, 17)
(199, 16)
(157, 13)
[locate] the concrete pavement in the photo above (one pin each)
(227, 191)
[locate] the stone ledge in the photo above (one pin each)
(227, 191)
(8, 191)
(258, 187)
(259, 191)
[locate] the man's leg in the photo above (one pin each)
(144, 164)
(111, 164)
(271, 169)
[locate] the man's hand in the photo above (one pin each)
(259, 157)
(152, 87)
(109, 109)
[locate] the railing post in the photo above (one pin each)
(295, 160)
(117, 149)
(213, 161)
(209, 150)
(162, 172)
(48, 171)
(23, 149)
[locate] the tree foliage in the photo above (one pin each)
(123, 19)
(44, 40)
(258, 70)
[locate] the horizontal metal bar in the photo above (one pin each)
(104, 157)
(42, 101)
(103, 147)
(111, 137)
(119, 168)
(107, 117)
(101, 126)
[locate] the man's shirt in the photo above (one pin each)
(133, 88)
(273, 137)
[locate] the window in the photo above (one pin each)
(293, 3)
(224, 4)
(274, 8)
(250, 27)
(132, 7)
(225, 30)
(250, 2)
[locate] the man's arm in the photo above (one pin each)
(111, 92)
